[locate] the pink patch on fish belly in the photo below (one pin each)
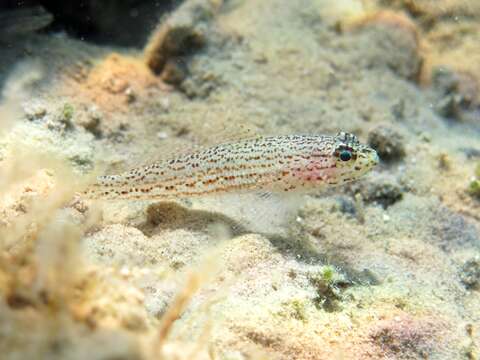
(315, 171)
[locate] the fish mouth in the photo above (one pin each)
(368, 159)
(374, 158)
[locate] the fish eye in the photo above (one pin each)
(345, 155)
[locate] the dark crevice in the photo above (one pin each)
(114, 22)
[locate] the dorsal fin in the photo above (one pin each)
(210, 129)
(207, 133)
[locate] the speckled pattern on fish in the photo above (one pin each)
(273, 164)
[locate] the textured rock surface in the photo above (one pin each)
(384, 268)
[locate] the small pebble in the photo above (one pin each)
(474, 188)
(388, 143)
(444, 162)
(382, 191)
(125, 272)
(456, 92)
(165, 103)
(174, 71)
(91, 121)
(470, 273)
(131, 95)
(35, 111)
(471, 153)
(162, 135)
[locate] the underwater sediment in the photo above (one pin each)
(386, 267)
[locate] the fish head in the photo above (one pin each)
(351, 158)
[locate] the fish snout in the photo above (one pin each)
(369, 157)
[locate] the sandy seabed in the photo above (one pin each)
(385, 268)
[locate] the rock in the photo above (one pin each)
(388, 143)
(444, 80)
(35, 111)
(180, 35)
(91, 121)
(470, 273)
(328, 282)
(66, 115)
(23, 20)
(382, 191)
(131, 95)
(444, 162)
(392, 41)
(451, 231)
(456, 92)
(448, 107)
(62, 120)
(198, 87)
(347, 206)
(174, 71)
(125, 23)
(398, 110)
(474, 188)
(405, 336)
(471, 153)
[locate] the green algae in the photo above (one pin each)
(326, 282)
(67, 112)
(298, 310)
(474, 185)
(474, 188)
(294, 309)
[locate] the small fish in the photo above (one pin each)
(273, 164)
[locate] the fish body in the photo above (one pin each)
(263, 164)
